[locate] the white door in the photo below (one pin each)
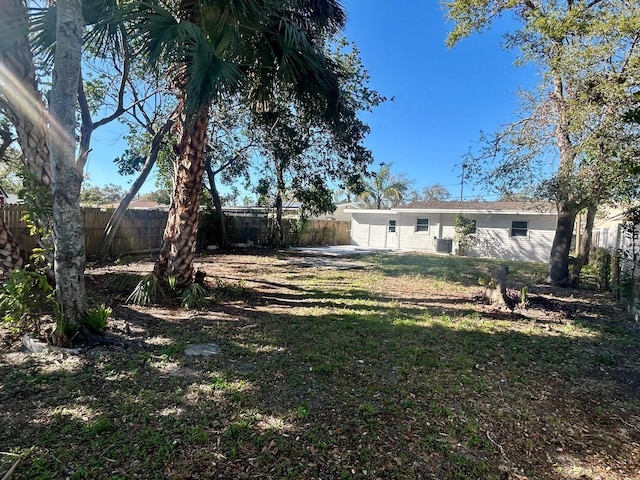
(392, 234)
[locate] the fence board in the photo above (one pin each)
(141, 230)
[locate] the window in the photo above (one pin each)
(392, 226)
(519, 229)
(422, 225)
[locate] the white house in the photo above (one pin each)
(608, 231)
(508, 230)
(340, 214)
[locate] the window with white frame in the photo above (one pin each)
(422, 225)
(519, 228)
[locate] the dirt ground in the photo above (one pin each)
(334, 367)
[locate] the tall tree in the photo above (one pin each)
(434, 193)
(22, 104)
(94, 196)
(154, 149)
(385, 189)
(66, 179)
(567, 42)
(228, 155)
(306, 154)
(216, 47)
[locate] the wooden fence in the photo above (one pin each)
(141, 231)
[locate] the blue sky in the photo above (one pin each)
(444, 97)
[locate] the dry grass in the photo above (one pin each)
(375, 367)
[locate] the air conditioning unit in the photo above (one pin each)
(444, 245)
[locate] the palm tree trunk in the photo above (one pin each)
(23, 106)
(11, 255)
(180, 234)
(22, 100)
(66, 180)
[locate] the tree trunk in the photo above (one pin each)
(496, 291)
(180, 235)
(11, 255)
(66, 180)
(117, 216)
(585, 245)
(566, 202)
(279, 221)
(217, 203)
(559, 258)
(23, 106)
(22, 100)
(279, 201)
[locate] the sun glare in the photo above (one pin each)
(24, 101)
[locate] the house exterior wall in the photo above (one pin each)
(606, 237)
(410, 239)
(492, 238)
(340, 215)
(369, 230)
(378, 231)
(360, 229)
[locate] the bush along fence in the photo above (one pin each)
(617, 267)
(626, 267)
(141, 231)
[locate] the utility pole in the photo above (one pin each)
(462, 182)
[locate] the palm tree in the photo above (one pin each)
(22, 104)
(221, 47)
(385, 189)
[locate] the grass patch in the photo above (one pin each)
(386, 370)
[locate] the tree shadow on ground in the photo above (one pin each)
(392, 389)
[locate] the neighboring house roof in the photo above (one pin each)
(348, 205)
(544, 208)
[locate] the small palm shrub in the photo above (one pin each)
(96, 318)
(195, 296)
(147, 291)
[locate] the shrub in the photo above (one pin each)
(96, 318)
(22, 296)
(146, 292)
(600, 268)
(195, 297)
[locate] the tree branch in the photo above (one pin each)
(123, 83)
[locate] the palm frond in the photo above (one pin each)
(147, 291)
(195, 296)
(42, 27)
(105, 26)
